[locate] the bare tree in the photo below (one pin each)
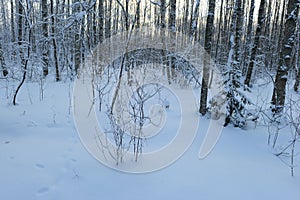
(24, 27)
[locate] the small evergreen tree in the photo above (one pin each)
(236, 111)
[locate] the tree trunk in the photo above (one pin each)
(54, 40)
(219, 30)
(172, 15)
(108, 19)
(2, 62)
(238, 31)
(258, 33)
(101, 21)
(138, 14)
(184, 25)
(45, 47)
(297, 82)
(207, 47)
(24, 61)
(94, 26)
(77, 37)
(284, 65)
(12, 21)
(194, 19)
(249, 34)
(163, 13)
(126, 15)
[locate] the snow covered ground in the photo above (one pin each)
(42, 157)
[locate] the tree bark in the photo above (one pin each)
(2, 61)
(101, 21)
(45, 47)
(77, 37)
(138, 14)
(172, 15)
(163, 13)
(108, 19)
(12, 21)
(219, 30)
(24, 61)
(258, 33)
(284, 65)
(297, 82)
(238, 30)
(54, 40)
(249, 34)
(194, 19)
(207, 47)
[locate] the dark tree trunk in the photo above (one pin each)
(297, 82)
(163, 13)
(172, 15)
(101, 21)
(207, 47)
(249, 34)
(194, 19)
(284, 65)
(45, 48)
(77, 37)
(258, 33)
(54, 40)
(24, 61)
(219, 30)
(108, 19)
(138, 14)
(238, 31)
(12, 21)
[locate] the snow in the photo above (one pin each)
(42, 157)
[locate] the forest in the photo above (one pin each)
(253, 46)
(42, 37)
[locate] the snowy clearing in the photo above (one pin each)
(42, 157)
